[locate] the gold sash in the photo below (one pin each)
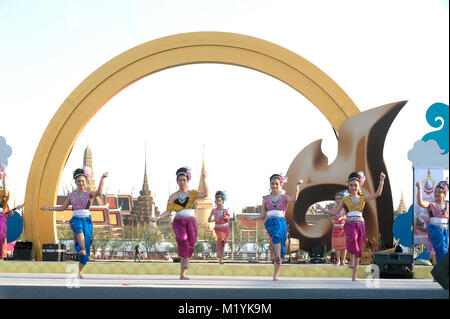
(193, 196)
(352, 207)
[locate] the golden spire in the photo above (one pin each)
(145, 184)
(87, 162)
(402, 205)
(201, 185)
(204, 205)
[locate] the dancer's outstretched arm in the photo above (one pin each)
(421, 202)
(58, 208)
(262, 213)
(167, 212)
(294, 199)
(331, 211)
(339, 207)
(99, 190)
(379, 190)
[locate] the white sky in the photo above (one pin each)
(378, 51)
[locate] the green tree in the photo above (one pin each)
(239, 240)
(64, 233)
(115, 244)
(132, 236)
(150, 237)
(100, 241)
(212, 244)
(199, 248)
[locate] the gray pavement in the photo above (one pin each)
(95, 286)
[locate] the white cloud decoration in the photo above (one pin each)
(428, 154)
(5, 152)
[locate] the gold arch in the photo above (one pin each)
(153, 56)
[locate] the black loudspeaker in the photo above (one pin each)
(53, 252)
(72, 256)
(23, 250)
(394, 265)
(317, 254)
(440, 272)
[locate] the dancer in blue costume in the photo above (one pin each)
(274, 210)
(438, 218)
(81, 222)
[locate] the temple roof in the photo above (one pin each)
(201, 185)
(402, 205)
(145, 183)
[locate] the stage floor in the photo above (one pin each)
(153, 280)
(97, 286)
(196, 268)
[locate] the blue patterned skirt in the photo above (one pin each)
(277, 229)
(439, 240)
(82, 225)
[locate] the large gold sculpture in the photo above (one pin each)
(157, 55)
(360, 148)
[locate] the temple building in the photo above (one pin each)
(87, 162)
(144, 207)
(402, 208)
(110, 212)
(204, 205)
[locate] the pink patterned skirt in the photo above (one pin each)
(338, 239)
(355, 232)
(222, 233)
(185, 229)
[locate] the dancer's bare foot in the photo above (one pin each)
(184, 278)
(276, 279)
(80, 276)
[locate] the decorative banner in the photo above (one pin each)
(428, 177)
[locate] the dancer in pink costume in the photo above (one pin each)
(354, 223)
(338, 240)
(273, 211)
(221, 218)
(4, 197)
(184, 224)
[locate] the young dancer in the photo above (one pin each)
(81, 221)
(354, 222)
(274, 210)
(221, 218)
(438, 214)
(338, 232)
(4, 197)
(184, 224)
